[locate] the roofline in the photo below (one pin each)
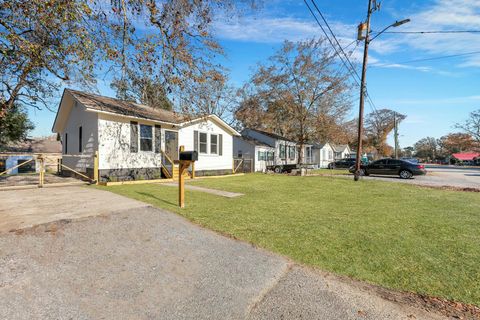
(268, 134)
(217, 118)
(130, 117)
(58, 110)
(253, 142)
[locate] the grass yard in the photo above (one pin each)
(329, 171)
(395, 235)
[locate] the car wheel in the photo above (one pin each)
(362, 172)
(405, 174)
(277, 170)
(365, 172)
(331, 166)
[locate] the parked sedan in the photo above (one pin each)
(392, 167)
(342, 163)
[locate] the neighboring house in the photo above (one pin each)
(285, 150)
(341, 151)
(135, 141)
(322, 155)
(260, 153)
(15, 154)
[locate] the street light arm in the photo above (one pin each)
(395, 24)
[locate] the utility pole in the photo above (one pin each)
(395, 133)
(362, 91)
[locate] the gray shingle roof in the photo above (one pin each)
(126, 108)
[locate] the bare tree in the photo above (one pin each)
(378, 125)
(300, 84)
(471, 125)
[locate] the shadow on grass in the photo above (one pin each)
(148, 195)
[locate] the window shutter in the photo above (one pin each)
(158, 138)
(220, 144)
(133, 136)
(195, 140)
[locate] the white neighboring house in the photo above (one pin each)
(134, 141)
(322, 155)
(342, 151)
(285, 150)
(260, 153)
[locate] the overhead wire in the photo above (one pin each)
(351, 67)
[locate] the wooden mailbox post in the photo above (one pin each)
(186, 158)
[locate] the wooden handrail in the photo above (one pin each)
(15, 167)
(80, 174)
(167, 157)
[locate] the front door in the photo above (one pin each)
(171, 144)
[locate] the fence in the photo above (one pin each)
(40, 169)
(242, 165)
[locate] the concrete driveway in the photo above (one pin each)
(132, 261)
(25, 208)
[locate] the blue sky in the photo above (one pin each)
(433, 94)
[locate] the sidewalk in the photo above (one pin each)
(146, 263)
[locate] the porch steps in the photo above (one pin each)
(176, 172)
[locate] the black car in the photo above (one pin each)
(393, 167)
(342, 163)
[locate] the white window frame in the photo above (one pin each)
(140, 137)
(216, 144)
(200, 142)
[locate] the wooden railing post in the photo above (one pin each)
(41, 175)
(95, 168)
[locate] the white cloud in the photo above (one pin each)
(443, 15)
(264, 29)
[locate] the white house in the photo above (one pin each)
(322, 155)
(342, 151)
(135, 141)
(285, 150)
(261, 154)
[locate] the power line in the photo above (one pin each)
(329, 40)
(434, 32)
(433, 58)
(370, 101)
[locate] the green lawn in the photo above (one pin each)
(329, 171)
(395, 235)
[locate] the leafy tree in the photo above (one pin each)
(378, 125)
(43, 42)
(295, 91)
(426, 148)
(456, 142)
(471, 125)
(14, 127)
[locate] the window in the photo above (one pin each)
(66, 143)
(330, 154)
(202, 142)
(282, 151)
(270, 155)
(213, 144)
(145, 137)
(80, 142)
(262, 156)
(291, 152)
(324, 154)
(239, 154)
(309, 152)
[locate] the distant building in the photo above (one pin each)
(17, 153)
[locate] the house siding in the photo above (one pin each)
(209, 162)
(114, 148)
(79, 117)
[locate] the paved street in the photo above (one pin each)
(440, 176)
(146, 263)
